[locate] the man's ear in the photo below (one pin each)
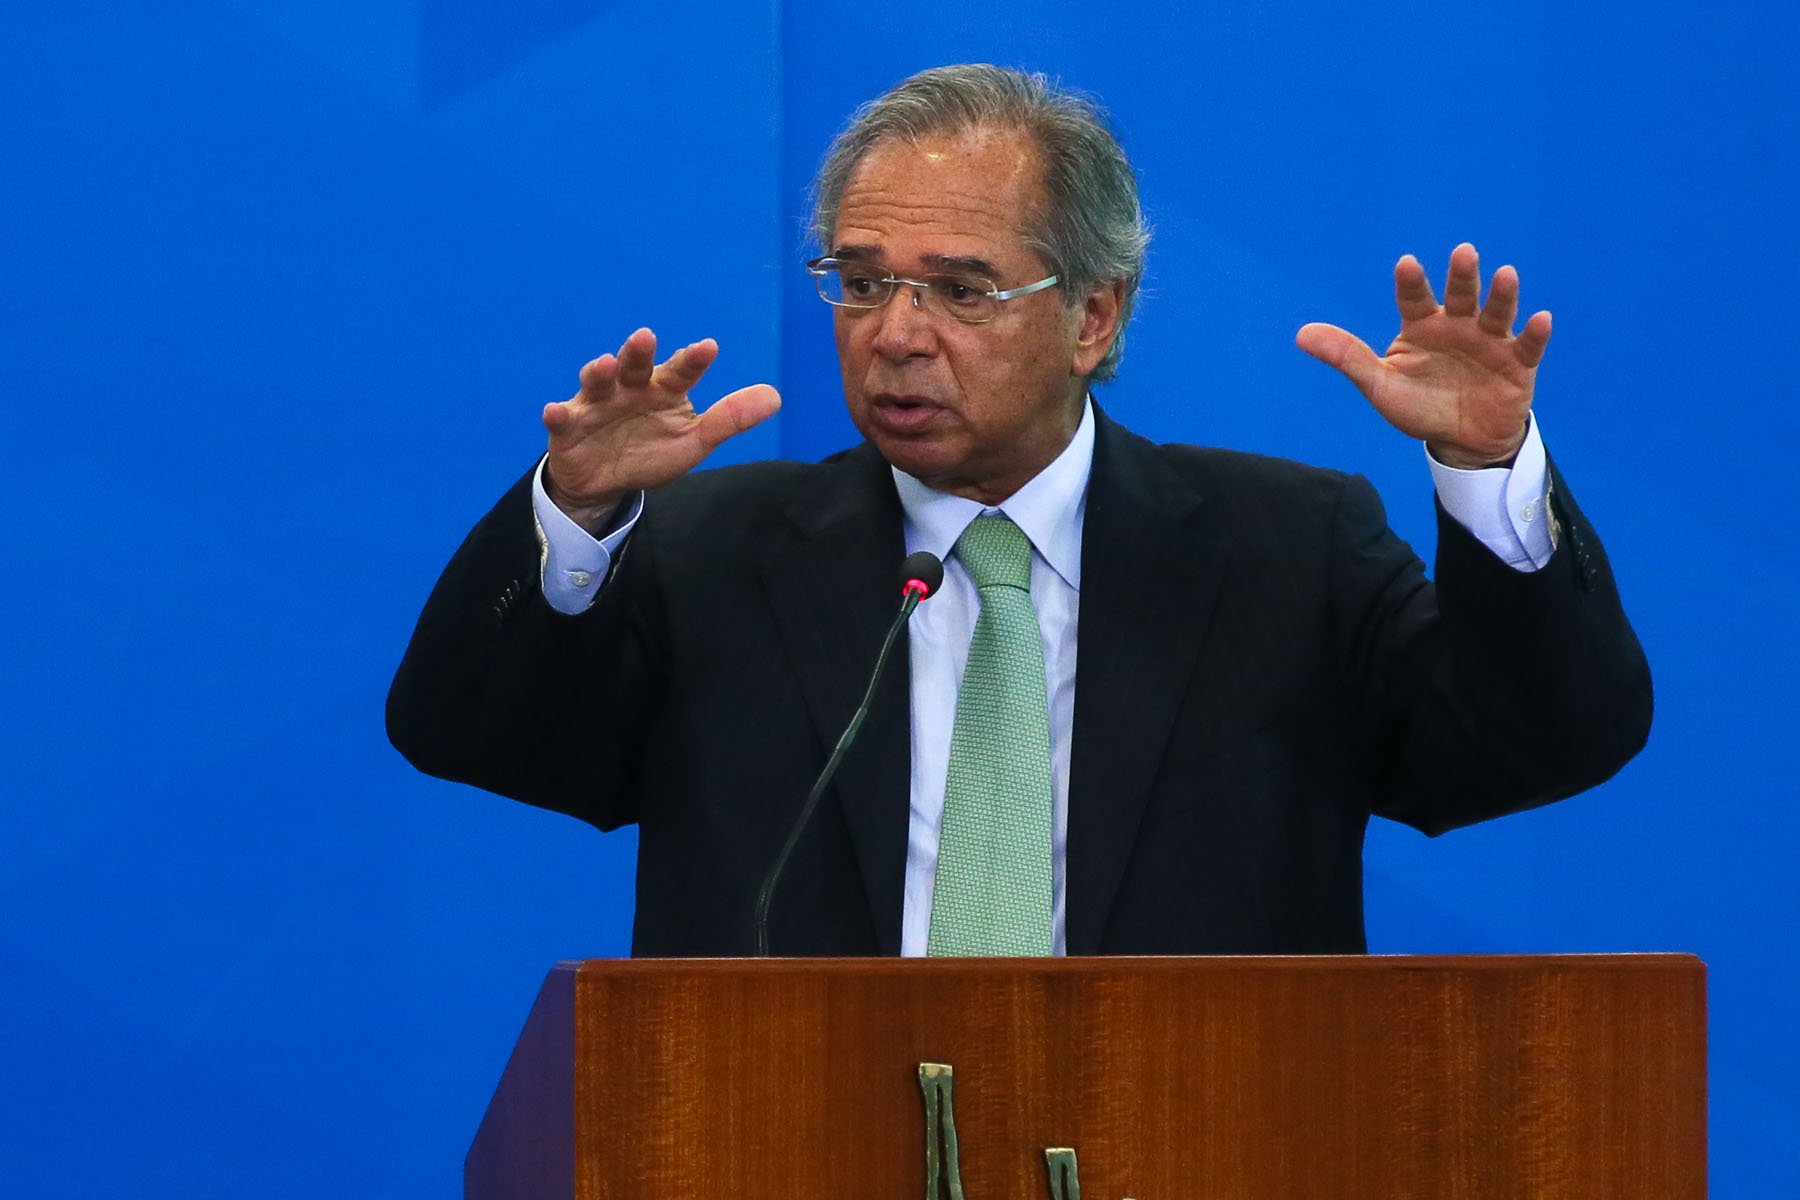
(1099, 325)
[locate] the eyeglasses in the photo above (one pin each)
(862, 285)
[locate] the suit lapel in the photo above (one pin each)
(1149, 583)
(831, 579)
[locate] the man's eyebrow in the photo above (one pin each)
(966, 264)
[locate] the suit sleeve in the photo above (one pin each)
(499, 691)
(1495, 690)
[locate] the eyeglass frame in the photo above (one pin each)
(818, 268)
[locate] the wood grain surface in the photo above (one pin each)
(1251, 1077)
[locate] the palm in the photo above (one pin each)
(633, 427)
(1456, 377)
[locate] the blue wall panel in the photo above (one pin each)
(285, 284)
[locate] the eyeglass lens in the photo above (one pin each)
(864, 285)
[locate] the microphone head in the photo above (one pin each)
(922, 573)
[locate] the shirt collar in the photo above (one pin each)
(1048, 509)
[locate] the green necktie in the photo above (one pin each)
(992, 895)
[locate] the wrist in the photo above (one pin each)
(1463, 459)
(592, 513)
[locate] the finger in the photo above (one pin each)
(558, 419)
(597, 379)
(1502, 307)
(1412, 290)
(686, 366)
(1462, 285)
(569, 421)
(1533, 340)
(1343, 350)
(731, 415)
(637, 358)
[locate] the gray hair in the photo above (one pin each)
(1093, 232)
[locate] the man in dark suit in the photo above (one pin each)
(1262, 663)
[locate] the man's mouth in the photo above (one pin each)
(904, 412)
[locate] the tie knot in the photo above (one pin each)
(996, 552)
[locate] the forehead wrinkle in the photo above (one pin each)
(981, 221)
(945, 193)
(937, 206)
(1000, 156)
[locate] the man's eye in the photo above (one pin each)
(961, 292)
(861, 284)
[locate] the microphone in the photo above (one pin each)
(920, 576)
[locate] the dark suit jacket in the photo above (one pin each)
(1261, 665)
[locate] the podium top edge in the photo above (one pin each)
(1102, 965)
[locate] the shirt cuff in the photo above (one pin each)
(573, 563)
(1507, 509)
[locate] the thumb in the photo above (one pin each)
(1343, 350)
(732, 414)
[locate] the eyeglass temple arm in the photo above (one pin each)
(1014, 293)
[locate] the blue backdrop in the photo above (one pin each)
(284, 285)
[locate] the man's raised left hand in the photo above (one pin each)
(1456, 377)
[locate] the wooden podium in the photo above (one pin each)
(1168, 1079)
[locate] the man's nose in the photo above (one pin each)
(906, 327)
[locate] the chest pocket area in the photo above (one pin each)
(1221, 775)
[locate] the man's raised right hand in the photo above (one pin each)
(631, 426)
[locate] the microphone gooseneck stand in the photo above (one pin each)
(920, 575)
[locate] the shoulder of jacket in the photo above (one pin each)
(754, 484)
(1213, 469)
